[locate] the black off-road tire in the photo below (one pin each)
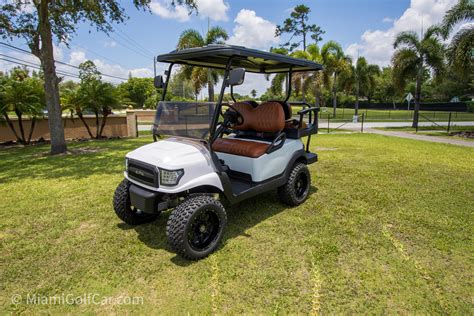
(290, 193)
(183, 219)
(125, 211)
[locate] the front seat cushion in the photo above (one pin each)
(240, 147)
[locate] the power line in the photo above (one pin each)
(57, 61)
(31, 65)
(134, 41)
(101, 56)
(128, 47)
(35, 65)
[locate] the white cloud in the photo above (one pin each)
(377, 45)
(165, 11)
(253, 31)
(216, 10)
(387, 20)
(78, 56)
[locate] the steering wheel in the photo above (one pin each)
(235, 118)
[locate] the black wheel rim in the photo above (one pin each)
(203, 230)
(301, 185)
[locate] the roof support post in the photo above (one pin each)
(217, 110)
(288, 85)
(168, 76)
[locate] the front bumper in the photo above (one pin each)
(147, 201)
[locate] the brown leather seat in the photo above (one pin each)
(268, 117)
(239, 147)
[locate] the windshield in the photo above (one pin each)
(187, 119)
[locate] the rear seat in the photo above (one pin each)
(268, 117)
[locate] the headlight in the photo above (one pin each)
(170, 177)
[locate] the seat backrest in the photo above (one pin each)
(286, 108)
(267, 117)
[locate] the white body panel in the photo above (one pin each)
(265, 166)
(178, 153)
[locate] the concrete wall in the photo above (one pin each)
(144, 116)
(116, 126)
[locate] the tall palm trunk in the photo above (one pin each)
(210, 91)
(81, 117)
(11, 126)
(210, 86)
(56, 129)
(97, 125)
(417, 101)
(22, 130)
(334, 96)
(356, 107)
(32, 127)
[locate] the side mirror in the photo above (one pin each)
(236, 77)
(158, 82)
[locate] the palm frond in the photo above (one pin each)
(216, 35)
(460, 51)
(462, 11)
(433, 31)
(190, 38)
(408, 38)
(405, 66)
(332, 48)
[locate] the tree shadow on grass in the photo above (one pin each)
(240, 218)
(98, 157)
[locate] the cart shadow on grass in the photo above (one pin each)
(240, 217)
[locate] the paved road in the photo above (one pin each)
(369, 128)
(356, 126)
(451, 141)
(323, 124)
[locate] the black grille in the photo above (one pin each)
(143, 173)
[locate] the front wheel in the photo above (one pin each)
(195, 227)
(125, 211)
(296, 189)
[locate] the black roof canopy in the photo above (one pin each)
(217, 56)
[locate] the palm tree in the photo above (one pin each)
(301, 82)
(414, 57)
(335, 61)
(312, 81)
(24, 95)
(202, 76)
(460, 50)
(361, 78)
(98, 97)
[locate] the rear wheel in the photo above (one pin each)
(296, 190)
(195, 227)
(125, 211)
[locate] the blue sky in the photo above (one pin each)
(364, 26)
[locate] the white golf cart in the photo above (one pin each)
(235, 150)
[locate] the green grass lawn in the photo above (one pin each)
(387, 229)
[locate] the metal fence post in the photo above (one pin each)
(449, 122)
(328, 122)
(362, 125)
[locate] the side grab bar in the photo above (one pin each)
(277, 143)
